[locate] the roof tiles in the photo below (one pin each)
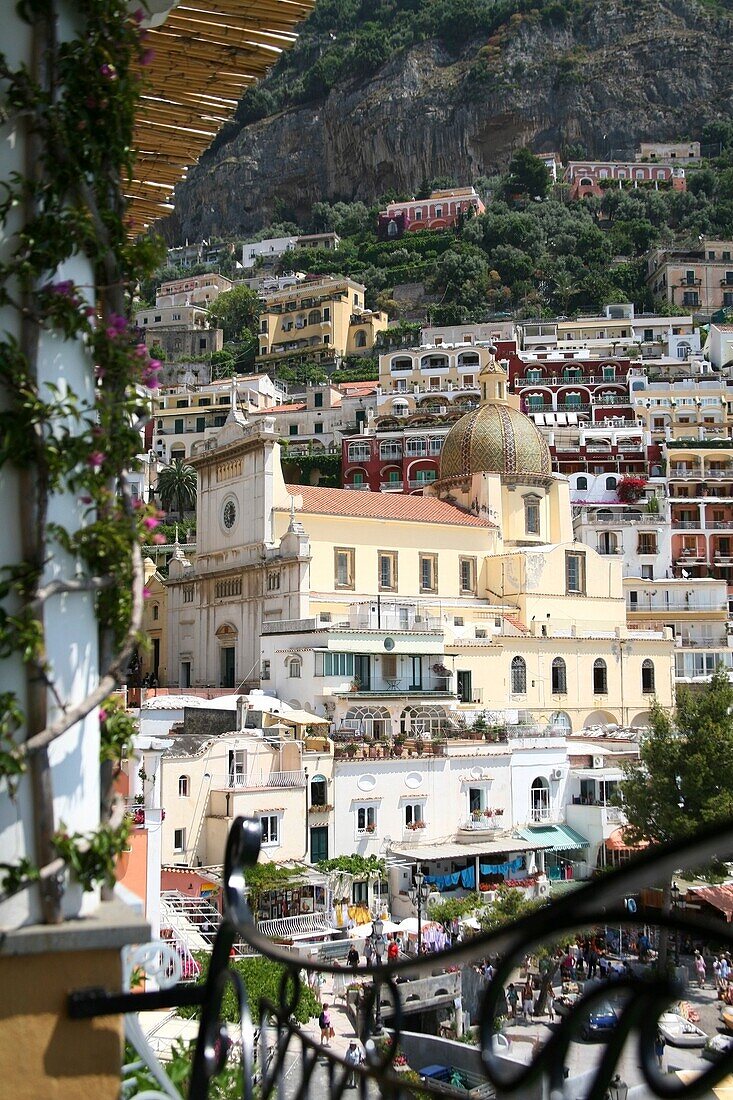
(320, 500)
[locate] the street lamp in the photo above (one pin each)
(418, 894)
(617, 1089)
(675, 903)
(377, 942)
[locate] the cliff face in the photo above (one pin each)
(652, 70)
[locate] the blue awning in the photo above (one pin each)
(556, 838)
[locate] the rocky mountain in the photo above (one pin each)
(355, 117)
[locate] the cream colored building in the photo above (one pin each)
(318, 320)
(391, 613)
(253, 763)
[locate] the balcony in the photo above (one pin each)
(238, 781)
(688, 524)
(685, 471)
(418, 484)
(387, 453)
(390, 486)
(435, 686)
(361, 488)
(541, 815)
(720, 474)
(720, 524)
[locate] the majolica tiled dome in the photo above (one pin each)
(496, 439)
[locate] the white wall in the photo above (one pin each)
(71, 629)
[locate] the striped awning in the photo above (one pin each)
(205, 54)
(555, 838)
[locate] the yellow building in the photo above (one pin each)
(317, 320)
(389, 612)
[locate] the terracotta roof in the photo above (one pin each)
(720, 897)
(320, 500)
(296, 406)
(357, 387)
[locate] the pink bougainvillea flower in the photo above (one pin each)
(108, 71)
(147, 593)
(138, 15)
(102, 715)
(141, 351)
(146, 57)
(155, 364)
(151, 523)
(159, 539)
(95, 459)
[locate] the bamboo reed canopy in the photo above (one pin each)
(204, 56)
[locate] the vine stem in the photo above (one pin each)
(111, 678)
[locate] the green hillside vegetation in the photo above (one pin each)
(347, 40)
(532, 254)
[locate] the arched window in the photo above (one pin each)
(560, 722)
(314, 317)
(183, 786)
(295, 667)
(559, 677)
(539, 799)
(156, 612)
(581, 483)
(360, 340)
(647, 677)
(600, 677)
(519, 676)
(532, 515)
(318, 790)
(610, 482)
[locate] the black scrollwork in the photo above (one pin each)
(643, 997)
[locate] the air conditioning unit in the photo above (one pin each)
(556, 773)
(597, 761)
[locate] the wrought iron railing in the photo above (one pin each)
(646, 993)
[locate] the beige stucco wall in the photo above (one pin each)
(43, 1053)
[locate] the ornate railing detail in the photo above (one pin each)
(263, 1064)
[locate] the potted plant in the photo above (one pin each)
(351, 749)
(355, 684)
(370, 829)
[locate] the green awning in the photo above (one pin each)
(556, 838)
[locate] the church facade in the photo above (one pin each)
(394, 614)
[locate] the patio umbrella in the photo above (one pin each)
(409, 924)
(470, 922)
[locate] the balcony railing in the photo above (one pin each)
(687, 524)
(418, 484)
(240, 781)
(539, 814)
(685, 471)
(390, 486)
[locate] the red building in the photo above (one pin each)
(443, 210)
(589, 391)
(595, 177)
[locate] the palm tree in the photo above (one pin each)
(177, 485)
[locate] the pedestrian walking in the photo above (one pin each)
(700, 969)
(512, 998)
(393, 951)
(550, 1002)
(352, 959)
(659, 1045)
(339, 981)
(354, 1058)
(527, 1001)
(368, 950)
(324, 1022)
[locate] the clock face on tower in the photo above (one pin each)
(229, 514)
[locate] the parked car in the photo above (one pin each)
(599, 1020)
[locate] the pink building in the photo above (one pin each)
(443, 210)
(594, 177)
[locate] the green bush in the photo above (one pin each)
(262, 980)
